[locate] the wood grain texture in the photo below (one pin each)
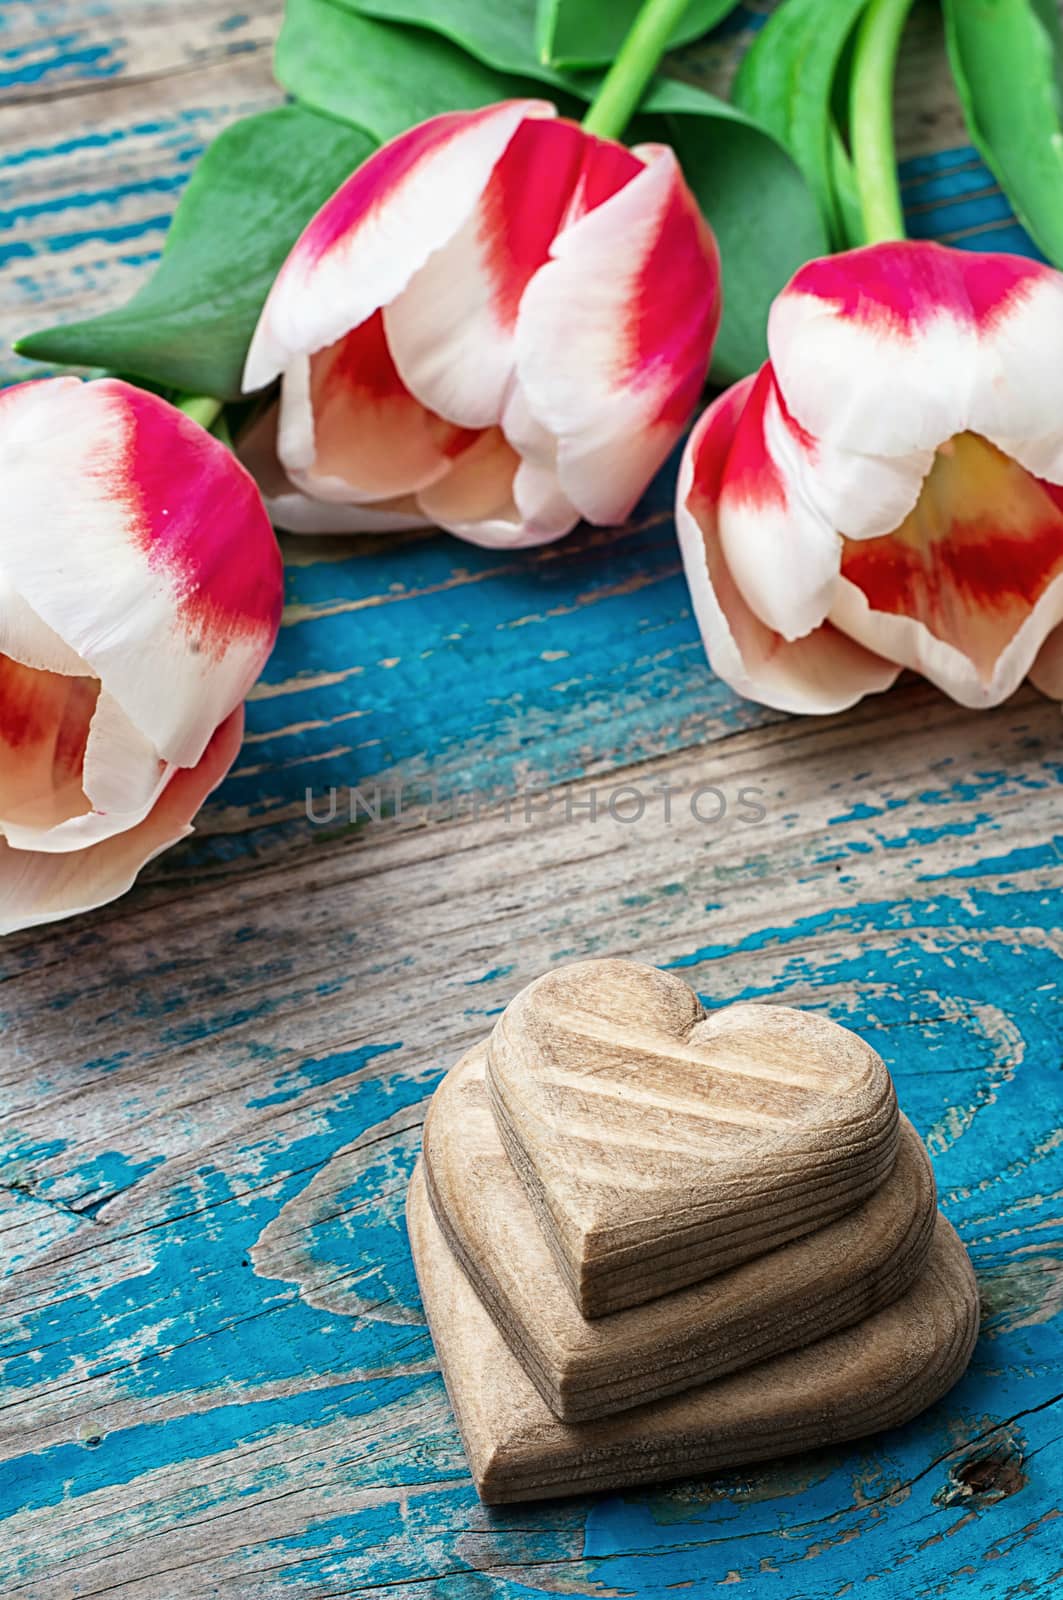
(831, 1277)
(253, 1052)
(231, 1065)
(659, 1145)
(875, 1375)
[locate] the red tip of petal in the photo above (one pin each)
(199, 517)
(675, 313)
(711, 441)
(904, 285)
(750, 474)
(384, 173)
(386, 169)
(569, 173)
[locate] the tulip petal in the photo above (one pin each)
(299, 513)
(478, 487)
(614, 336)
(296, 512)
(782, 555)
(967, 589)
(453, 328)
(1046, 673)
(25, 638)
(158, 552)
(44, 729)
(121, 778)
(354, 433)
(37, 888)
(823, 672)
(849, 491)
(364, 245)
(544, 508)
(123, 772)
(476, 500)
(120, 781)
(889, 350)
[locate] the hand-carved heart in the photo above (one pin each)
(837, 1275)
(874, 1375)
(659, 1145)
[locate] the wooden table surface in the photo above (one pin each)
(217, 1378)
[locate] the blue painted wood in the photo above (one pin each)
(306, 1374)
(216, 1376)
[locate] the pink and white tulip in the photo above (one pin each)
(499, 324)
(886, 491)
(140, 594)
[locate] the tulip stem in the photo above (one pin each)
(871, 119)
(625, 83)
(202, 408)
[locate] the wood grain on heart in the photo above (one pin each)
(799, 1292)
(660, 1145)
(875, 1375)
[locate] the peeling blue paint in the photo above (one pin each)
(324, 1069)
(219, 1344)
(90, 61)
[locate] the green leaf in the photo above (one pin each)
(501, 35)
(548, 39)
(246, 203)
(545, 22)
(786, 80)
(380, 76)
(589, 33)
(517, 36)
(1007, 60)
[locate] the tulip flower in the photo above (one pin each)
(887, 491)
(140, 593)
(499, 324)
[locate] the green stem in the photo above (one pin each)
(624, 84)
(202, 408)
(847, 221)
(871, 119)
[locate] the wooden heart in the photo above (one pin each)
(874, 1375)
(659, 1145)
(799, 1292)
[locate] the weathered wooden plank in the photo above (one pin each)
(60, 48)
(901, 879)
(216, 1376)
(85, 204)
